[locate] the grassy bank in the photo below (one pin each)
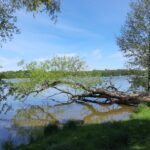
(132, 134)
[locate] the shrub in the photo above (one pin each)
(50, 129)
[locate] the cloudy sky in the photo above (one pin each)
(87, 28)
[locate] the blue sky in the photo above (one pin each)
(87, 28)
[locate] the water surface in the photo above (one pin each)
(39, 111)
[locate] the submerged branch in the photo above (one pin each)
(112, 95)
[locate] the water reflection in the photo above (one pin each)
(90, 113)
(34, 116)
(103, 113)
(29, 120)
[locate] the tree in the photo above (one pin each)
(7, 22)
(8, 19)
(48, 6)
(134, 40)
(50, 73)
(67, 75)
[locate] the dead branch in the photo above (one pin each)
(111, 94)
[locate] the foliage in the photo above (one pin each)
(8, 9)
(138, 83)
(50, 129)
(71, 64)
(39, 73)
(92, 73)
(58, 69)
(7, 21)
(72, 124)
(48, 6)
(70, 70)
(57, 73)
(142, 112)
(134, 40)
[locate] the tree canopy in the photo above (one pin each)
(8, 18)
(54, 72)
(7, 22)
(134, 40)
(48, 6)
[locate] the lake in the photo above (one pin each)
(36, 112)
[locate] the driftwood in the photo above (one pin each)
(112, 95)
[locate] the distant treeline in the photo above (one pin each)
(119, 72)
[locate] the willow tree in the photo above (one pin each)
(68, 75)
(8, 16)
(52, 73)
(134, 40)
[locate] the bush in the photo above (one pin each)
(50, 129)
(73, 123)
(141, 107)
(141, 112)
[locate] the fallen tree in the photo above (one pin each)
(75, 87)
(111, 96)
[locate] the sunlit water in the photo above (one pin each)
(39, 111)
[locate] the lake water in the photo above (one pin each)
(39, 111)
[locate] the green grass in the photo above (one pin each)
(132, 134)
